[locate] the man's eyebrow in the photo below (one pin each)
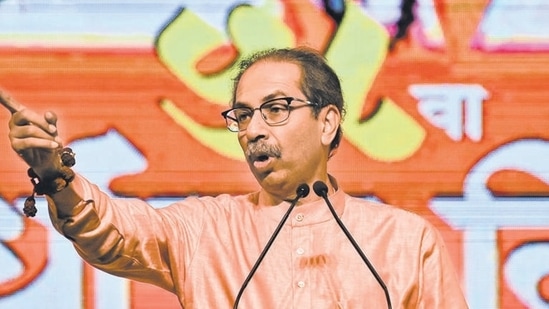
(240, 104)
(274, 95)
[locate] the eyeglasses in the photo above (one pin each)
(272, 111)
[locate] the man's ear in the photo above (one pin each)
(330, 119)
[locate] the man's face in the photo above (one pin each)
(284, 155)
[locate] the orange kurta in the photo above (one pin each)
(203, 248)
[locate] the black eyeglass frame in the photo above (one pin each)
(288, 100)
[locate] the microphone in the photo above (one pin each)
(321, 190)
(301, 191)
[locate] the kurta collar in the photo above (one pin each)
(309, 213)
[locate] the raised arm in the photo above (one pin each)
(131, 242)
(34, 137)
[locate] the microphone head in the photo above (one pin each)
(302, 190)
(320, 188)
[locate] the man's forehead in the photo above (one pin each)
(268, 79)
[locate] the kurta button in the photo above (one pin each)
(300, 251)
(301, 284)
(299, 217)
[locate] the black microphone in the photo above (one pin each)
(321, 190)
(302, 191)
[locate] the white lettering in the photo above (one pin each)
(479, 214)
(455, 108)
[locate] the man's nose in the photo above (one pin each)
(257, 125)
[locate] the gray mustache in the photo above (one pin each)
(255, 150)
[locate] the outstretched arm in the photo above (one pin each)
(130, 243)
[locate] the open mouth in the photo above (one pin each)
(262, 158)
(261, 155)
(261, 161)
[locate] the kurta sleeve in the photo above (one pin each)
(124, 237)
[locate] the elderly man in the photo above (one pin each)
(333, 251)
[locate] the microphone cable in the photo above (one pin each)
(321, 189)
(302, 191)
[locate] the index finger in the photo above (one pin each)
(9, 103)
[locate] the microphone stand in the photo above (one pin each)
(302, 191)
(321, 190)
